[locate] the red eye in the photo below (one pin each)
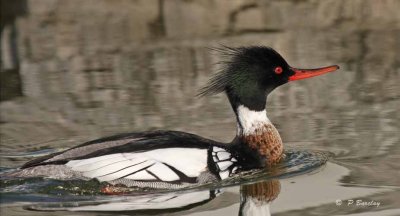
(278, 70)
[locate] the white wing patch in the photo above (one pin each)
(224, 161)
(121, 172)
(223, 155)
(142, 175)
(149, 165)
(82, 163)
(103, 162)
(168, 174)
(224, 165)
(224, 174)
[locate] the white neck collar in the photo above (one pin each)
(250, 120)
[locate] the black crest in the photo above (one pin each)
(241, 64)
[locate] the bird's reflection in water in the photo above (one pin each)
(255, 200)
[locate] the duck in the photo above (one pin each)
(174, 159)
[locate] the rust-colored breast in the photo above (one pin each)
(267, 141)
(263, 191)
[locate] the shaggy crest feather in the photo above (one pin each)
(234, 59)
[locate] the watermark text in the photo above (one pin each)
(358, 202)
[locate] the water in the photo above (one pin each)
(72, 73)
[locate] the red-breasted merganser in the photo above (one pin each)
(172, 159)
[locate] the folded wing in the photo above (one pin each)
(167, 165)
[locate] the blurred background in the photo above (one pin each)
(76, 70)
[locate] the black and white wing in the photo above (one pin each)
(167, 165)
(168, 157)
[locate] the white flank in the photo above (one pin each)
(134, 166)
(250, 120)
